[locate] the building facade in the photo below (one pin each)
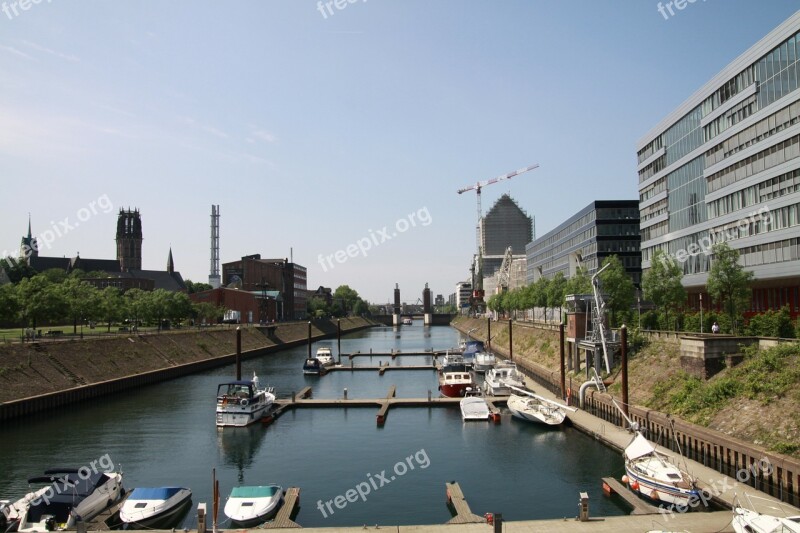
(463, 294)
(725, 167)
(252, 273)
(601, 229)
(506, 224)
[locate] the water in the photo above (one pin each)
(165, 435)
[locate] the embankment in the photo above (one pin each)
(39, 376)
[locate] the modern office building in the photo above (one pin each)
(506, 224)
(601, 229)
(463, 294)
(725, 166)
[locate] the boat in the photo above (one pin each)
(483, 361)
(10, 513)
(251, 506)
(750, 521)
(455, 384)
(313, 367)
(72, 496)
(241, 403)
(156, 507)
(651, 474)
(526, 405)
(470, 349)
(408, 321)
(474, 407)
(325, 357)
(499, 380)
(452, 362)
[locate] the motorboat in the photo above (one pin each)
(474, 407)
(483, 361)
(251, 506)
(651, 474)
(72, 495)
(408, 321)
(313, 367)
(526, 405)
(499, 380)
(751, 521)
(325, 357)
(10, 512)
(452, 362)
(241, 403)
(455, 384)
(470, 349)
(156, 508)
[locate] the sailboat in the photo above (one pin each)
(534, 408)
(751, 521)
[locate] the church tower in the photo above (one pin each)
(129, 240)
(29, 247)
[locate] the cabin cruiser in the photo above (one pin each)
(499, 380)
(483, 361)
(455, 384)
(241, 403)
(453, 362)
(325, 357)
(473, 406)
(250, 506)
(155, 508)
(470, 349)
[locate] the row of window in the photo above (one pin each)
(776, 122)
(769, 253)
(687, 192)
(768, 158)
(654, 210)
(563, 233)
(755, 194)
(728, 90)
(758, 223)
(652, 190)
(656, 230)
(775, 298)
(730, 118)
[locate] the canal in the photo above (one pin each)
(165, 435)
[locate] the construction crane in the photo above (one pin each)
(477, 267)
(504, 274)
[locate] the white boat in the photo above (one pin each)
(474, 407)
(455, 384)
(651, 474)
(408, 321)
(75, 497)
(10, 512)
(325, 357)
(452, 362)
(528, 406)
(750, 521)
(241, 403)
(499, 380)
(483, 361)
(251, 506)
(158, 506)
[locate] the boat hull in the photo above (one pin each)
(532, 411)
(659, 491)
(161, 514)
(251, 511)
(454, 390)
(242, 417)
(474, 408)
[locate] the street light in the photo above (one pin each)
(701, 312)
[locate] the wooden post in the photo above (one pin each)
(624, 356)
(309, 339)
(561, 350)
(339, 338)
(238, 354)
(510, 339)
(489, 334)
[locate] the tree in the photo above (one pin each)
(345, 300)
(81, 301)
(137, 305)
(54, 275)
(9, 305)
(661, 284)
(111, 305)
(38, 300)
(617, 287)
(728, 282)
(580, 283)
(179, 306)
(208, 312)
(556, 291)
(193, 287)
(16, 269)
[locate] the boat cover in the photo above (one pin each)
(255, 492)
(639, 447)
(154, 493)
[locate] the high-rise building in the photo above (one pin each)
(725, 167)
(506, 224)
(129, 240)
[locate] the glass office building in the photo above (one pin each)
(725, 167)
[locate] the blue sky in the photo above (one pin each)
(314, 132)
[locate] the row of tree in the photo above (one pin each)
(344, 302)
(728, 285)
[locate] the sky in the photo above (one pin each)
(336, 136)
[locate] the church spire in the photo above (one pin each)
(170, 262)
(29, 225)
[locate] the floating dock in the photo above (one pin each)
(291, 499)
(397, 353)
(640, 507)
(458, 504)
(381, 369)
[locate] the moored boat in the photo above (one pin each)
(71, 496)
(526, 405)
(325, 357)
(452, 362)
(155, 507)
(455, 384)
(751, 521)
(251, 506)
(408, 321)
(313, 367)
(474, 407)
(499, 380)
(470, 349)
(483, 361)
(651, 474)
(241, 403)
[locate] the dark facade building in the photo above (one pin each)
(247, 303)
(251, 273)
(506, 224)
(129, 240)
(601, 229)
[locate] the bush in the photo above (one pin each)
(772, 324)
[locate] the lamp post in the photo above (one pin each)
(701, 312)
(639, 307)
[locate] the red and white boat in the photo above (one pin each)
(455, 384)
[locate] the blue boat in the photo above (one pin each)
(313, 367)
(471, 348)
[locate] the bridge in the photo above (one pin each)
(436, 319)
(429, 318)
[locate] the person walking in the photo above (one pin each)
(715, 328)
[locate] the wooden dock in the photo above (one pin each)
(458, 504)
(383, 404)
(109, 518)
(396, 353)
(291, 499)
(381, 369)
(640, 507)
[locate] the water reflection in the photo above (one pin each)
(239, 446)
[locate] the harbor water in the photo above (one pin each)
(164, 434)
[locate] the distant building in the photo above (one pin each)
(724, 166)
(249, 304)
(601, 229)
(463, 294)
(323, 293)
(506, 224)
(438, 301)
(124, 272)
(252, 273)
